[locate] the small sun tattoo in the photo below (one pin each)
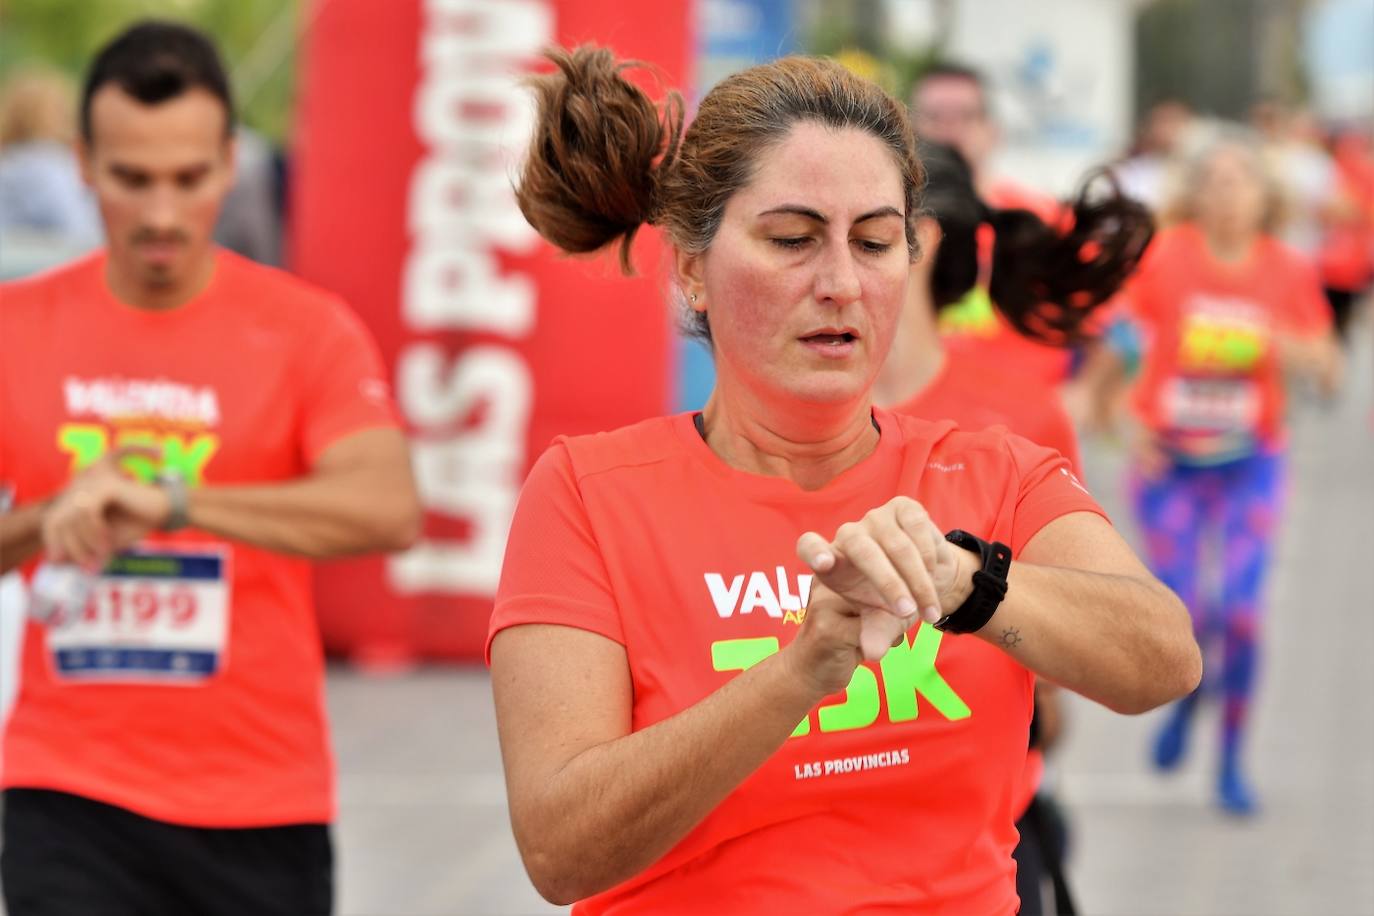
(1011, 638)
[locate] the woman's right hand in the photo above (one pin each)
(869, 583)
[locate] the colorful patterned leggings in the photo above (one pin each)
(1193, 518)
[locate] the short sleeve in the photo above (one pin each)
(553, 571)
(344, 388)
(1047, 488)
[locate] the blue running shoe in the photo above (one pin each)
(1234, 794)
(1172, 741)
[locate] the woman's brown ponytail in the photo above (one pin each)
(599, 148)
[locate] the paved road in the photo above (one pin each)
(423, 828)
(1154, 845)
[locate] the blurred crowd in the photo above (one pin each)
(1323, 174)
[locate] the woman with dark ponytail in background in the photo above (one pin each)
(1048, 291)
(738, 664)
(1048, 282)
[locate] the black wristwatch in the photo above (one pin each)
(989, 584)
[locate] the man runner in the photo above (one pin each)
(195, 429)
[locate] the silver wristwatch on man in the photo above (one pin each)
(174, 485)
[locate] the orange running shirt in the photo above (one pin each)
(977, 396)
(1210, 383)
(191, 689)
(895, 795)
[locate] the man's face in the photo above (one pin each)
(952, 110)
(159, 173)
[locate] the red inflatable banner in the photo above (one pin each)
(410, 123)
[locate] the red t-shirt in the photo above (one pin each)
(977, 396)
(974, 330)
(1346, 259)
(191, 688)
(899, 794)
(1210, 384)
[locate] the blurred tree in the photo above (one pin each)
(855, 32)
(257, 38)
(1219, 56)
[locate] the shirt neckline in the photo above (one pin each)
(125, 311)
(763, 487)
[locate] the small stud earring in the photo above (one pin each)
(693, 297)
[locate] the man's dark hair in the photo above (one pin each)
(948, 69)
(154, 61)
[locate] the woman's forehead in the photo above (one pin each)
(840, 173)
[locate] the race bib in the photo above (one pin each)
(1211, 417)
(1211, 404)
(154, 614)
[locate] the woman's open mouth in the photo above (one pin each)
(830, 342)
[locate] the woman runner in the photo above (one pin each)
(737, 662)
(1224, 309)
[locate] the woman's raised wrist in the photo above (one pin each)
(967, 563)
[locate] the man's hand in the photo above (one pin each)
(103, 511)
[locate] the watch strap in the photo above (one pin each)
(178, 514)
(989, 584)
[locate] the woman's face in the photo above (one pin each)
(1231, 193)
(805, 278)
